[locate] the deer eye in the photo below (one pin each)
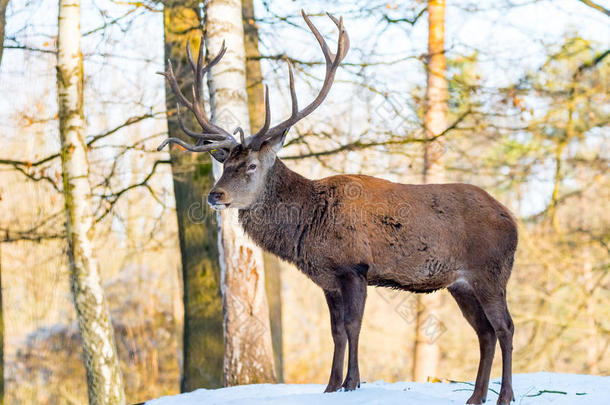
(251, 168)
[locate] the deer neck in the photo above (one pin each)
(284, 186)
(275, 221)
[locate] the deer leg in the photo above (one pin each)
(474, 314)
(496, 310)
(353, 288)
(337, 326)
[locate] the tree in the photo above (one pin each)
(248, 350)
(202, 351)
(3, 6)
(596, 6)
(256, 109)
(104, 379)
(426, 353)
(562, 103)
(1, 336)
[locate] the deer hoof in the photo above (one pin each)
(351, 384)
(332, 387)
(506, 397)
(476, 398)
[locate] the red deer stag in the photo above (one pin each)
(349, 231)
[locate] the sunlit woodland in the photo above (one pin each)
(509, 95)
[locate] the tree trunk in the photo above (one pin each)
(273, 288)
(248, 350)
(104, 380)
(591, 312)
(202, 350)
(426, 353)
(3, 6)
(256, 109)
(435, 120)
(1, 336)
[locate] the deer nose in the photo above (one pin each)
(215, 197)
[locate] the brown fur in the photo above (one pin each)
(347, 231)
(415, 237)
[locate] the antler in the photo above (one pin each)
(332, 63)
(212, 137)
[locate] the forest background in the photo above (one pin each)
(527, 113)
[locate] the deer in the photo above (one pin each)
(347, 232)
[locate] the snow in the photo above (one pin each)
(538, 388)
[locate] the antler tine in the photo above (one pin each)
(196, 135)
(332, 63)
(189, 56)
(343, 36)
(173, 84)
(241, 135)
(214, 61)
(255, 141)
(197, 148)
(265, 127)
(196, 68)
(318, 36)
(199, 70)
(293, 94)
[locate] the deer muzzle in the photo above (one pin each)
(217, 199)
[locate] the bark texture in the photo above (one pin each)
(1, 335)
(248, 351)
(426, 352)
(3, 6)
(202, 351)
(435, 120)
(104, 380)
(256, 109)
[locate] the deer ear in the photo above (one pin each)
(220, 154)
(276, 143)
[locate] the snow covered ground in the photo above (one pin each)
(538, 388)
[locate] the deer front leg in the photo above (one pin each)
(353, 289)
(337, 326)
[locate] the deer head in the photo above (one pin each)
(247, 163)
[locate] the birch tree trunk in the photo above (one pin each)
(426, 353)
(256, 109)
(202, 345)
(1, 335)
(104, 380)
(3, 7)
(248, 351)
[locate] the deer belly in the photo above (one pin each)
(418, 272)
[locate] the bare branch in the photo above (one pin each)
(596, 6)
(113, 197)
(358, 145)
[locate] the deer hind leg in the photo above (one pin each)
(353, 289)
(474, 314)
(334, 299)
(493, 301)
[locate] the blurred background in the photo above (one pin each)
(527, 119)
